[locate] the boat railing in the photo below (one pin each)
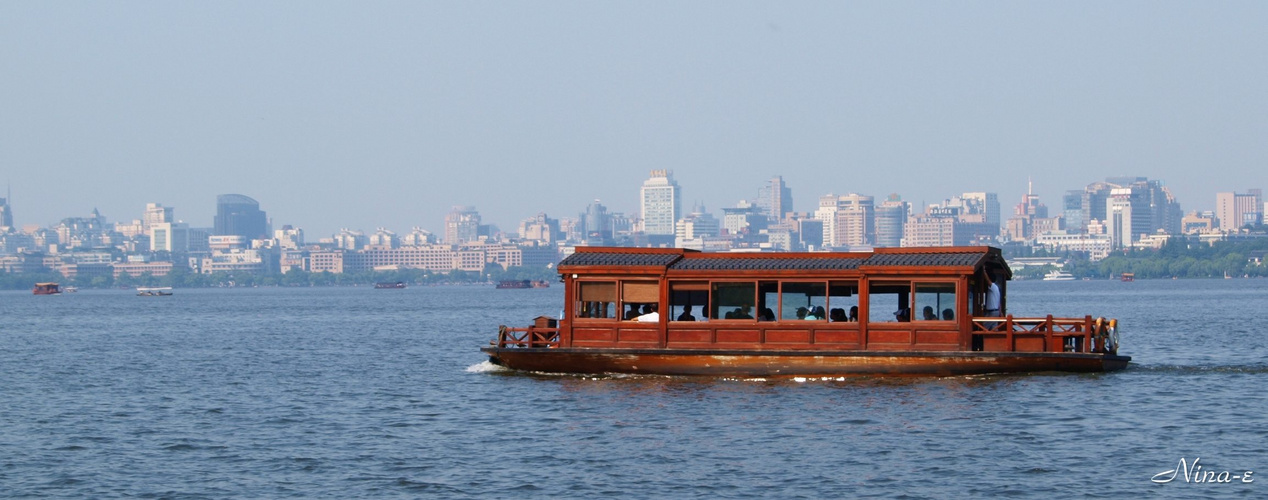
(530, 337)
(1046, 334)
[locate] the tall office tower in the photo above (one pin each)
(595, 223)
(169, 237)
(827, 213)
(240, 215)
(856, 219)
(660, 205)
(1072, 210)
(775, 199)
(462, 224)
(1235, 210)
(156, 213)
(1030, 205)
(698, 224)
(1120, 218)
(6, 213)
(986, 204)
(891, 217)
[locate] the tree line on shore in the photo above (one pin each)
(1178, 258)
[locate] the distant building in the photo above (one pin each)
(696, 226)
(775, 199)
(462, 224)
(289, 238)
(240, 215)
(660, 203)
(891, 218)
(169, 237)
(1153, 207)
(156, 213)
(540, 229)
(6, 215)
(1234, 211)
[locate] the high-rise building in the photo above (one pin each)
(891, 217)
(156, 213)
(241, 216)
(660, 204)
(1236, 210)
(856, 221)
(462, 224)
(1072, 210)
(169, 237)
(6, 215)
(1120, 215)
(596, 225)
(775, 199)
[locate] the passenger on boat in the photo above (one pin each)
(948, 314)
(768, 314)
(854, 313)
(929, 315)
(819, 313)
(992, 297)
(837, 315)
(744, 312)
(686, 315)
(802, 312)
(649, 315)
(632, 313)
(902, 315)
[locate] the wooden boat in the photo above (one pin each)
(47, 289)
(797, 314)
(389, 286)
(163, 291)
(1132, 277)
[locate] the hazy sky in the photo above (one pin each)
(367, 114)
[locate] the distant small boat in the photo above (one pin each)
(513, 284)
(398, 284)
(162, 291)
(1058, 276)
(47, 289)
(1128, 277)
(70, 289)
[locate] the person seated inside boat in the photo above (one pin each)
(802, 313)
(632, 313)
(649, 315)
(686, 314)
(767, 314)
(854, 313)
(817, 313)
(948, 315)
(837, 315)
(928, 314)
(902, 315)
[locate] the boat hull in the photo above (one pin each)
(796, 363)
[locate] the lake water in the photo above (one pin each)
(354, 392)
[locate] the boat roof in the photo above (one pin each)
(679, 261)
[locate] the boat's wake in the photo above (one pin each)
(486, 367)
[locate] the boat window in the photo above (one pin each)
(689, 301)
(888, 302)
(639, 298)
(843, 301)
(935, 302)
(596, 299)
(804, 301)
(733, 300)
(767, 300)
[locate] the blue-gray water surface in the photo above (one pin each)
(354, 392)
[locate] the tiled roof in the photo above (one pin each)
(925, 259)
(758, 262)
(619, 259)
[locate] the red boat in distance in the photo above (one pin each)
(47, 289)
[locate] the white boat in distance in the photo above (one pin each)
(1057, 275)
(161, 291)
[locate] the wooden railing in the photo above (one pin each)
(532, 336)
(1046, 334)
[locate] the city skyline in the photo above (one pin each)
(387, 115)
